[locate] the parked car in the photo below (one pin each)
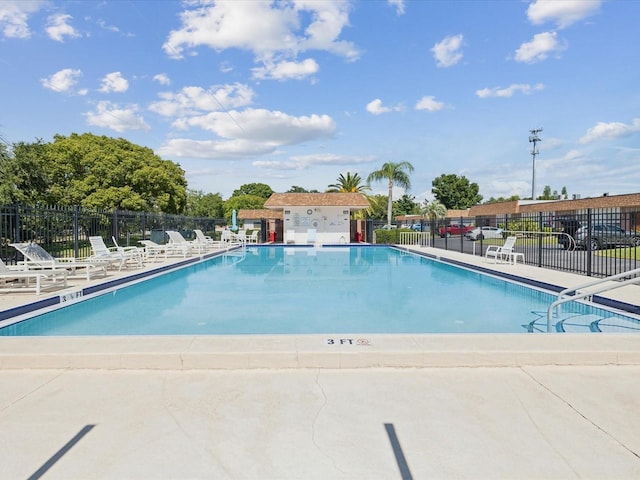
(605, 235)
(454, 229)
(480, 233)
(416, 227)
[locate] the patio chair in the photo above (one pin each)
(37, 258)
(503, 252)
(253, 238)
(17, 280)
(130, 248)
(176, 240)
(112, 255)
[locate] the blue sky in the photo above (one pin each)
(296, 92)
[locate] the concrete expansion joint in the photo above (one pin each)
(580, 414)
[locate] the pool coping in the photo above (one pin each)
(318, 350)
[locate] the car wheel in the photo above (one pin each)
(636, 241)
(594, 244)
(480, 237)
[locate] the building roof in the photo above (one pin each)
(259, 213)
(355, 201)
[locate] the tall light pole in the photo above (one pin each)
(534, 138)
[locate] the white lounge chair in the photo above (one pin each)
(503, 252)
(228, 236)
(206, 240)
(112, 255)
(253, 238)
(16, 280)
(130, 248)
(37, 258)
(176, 240)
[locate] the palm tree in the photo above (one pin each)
(348, 184)
(396, 174)
(434, 211)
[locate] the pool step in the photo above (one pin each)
(579, 323)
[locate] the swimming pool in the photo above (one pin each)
(306, 290)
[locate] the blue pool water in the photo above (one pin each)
(300, 290)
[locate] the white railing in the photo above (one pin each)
(578, 293)
(414, 238)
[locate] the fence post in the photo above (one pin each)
(16, 212)
(114, 224)
(540, 229)
(587, 248)
(76, 230)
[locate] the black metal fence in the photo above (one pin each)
(65, 231)
(593, 242)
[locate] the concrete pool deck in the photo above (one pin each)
(427, 406)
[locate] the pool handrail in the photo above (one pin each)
(578, 294)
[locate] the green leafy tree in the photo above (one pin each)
(296, 189)
(245, 202)
(200, 204)
(258, 189)
(433, 210)
(564, 192)
(23, 178)
(377, 207)
(512, 198)
(348, 184)
(103, 172)
(394, 174)
(455, 192)
(405, 205)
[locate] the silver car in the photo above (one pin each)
(480, 233)
(605, 235)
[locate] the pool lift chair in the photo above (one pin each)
(37, 258)
(14, 279)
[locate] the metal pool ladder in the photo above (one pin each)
(577, 293)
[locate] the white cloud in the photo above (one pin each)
(430, 104)
(539, 48)
(448, 52)
(259, 125)
(196, 100)
(562, 12)
(509, 91)
(58, 27)
(303, 162)
(63, 81)
(274, 32)
(248, 133)
(286, 69)
(14, 17)
(213, 149)
(398, 4)
(114, 82)
(162, 79)
(110, 115)
(607, 131)
(375, 107)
